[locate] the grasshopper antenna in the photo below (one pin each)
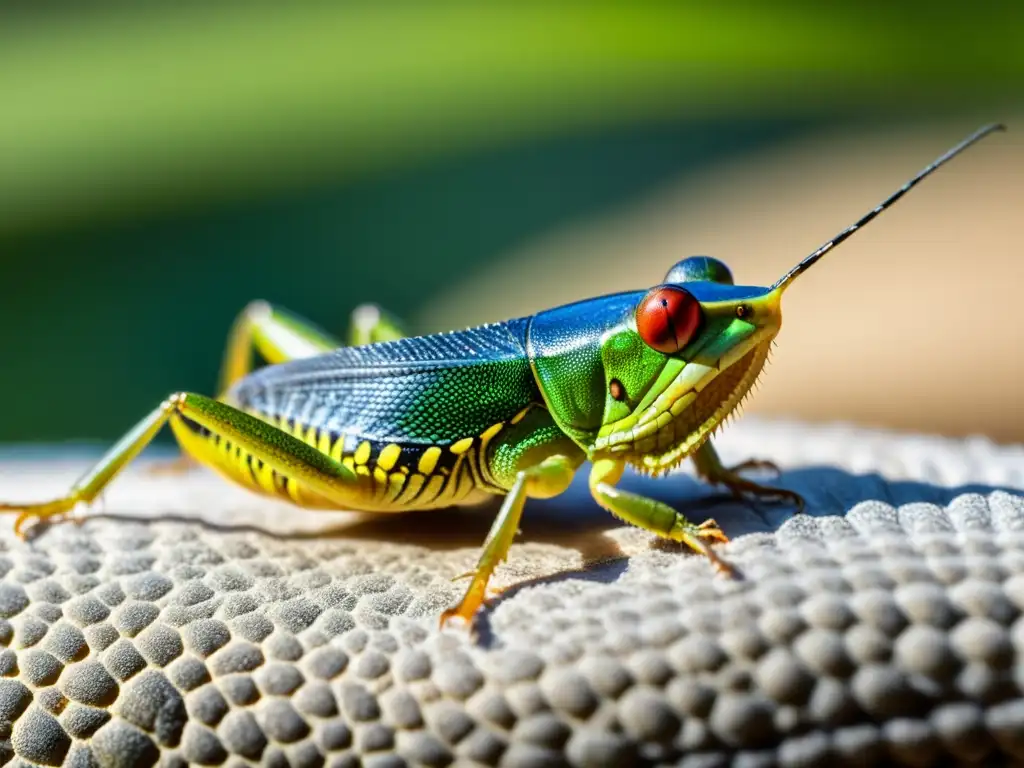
(828, 246)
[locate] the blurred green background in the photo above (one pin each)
(163, 164)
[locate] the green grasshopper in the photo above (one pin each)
(393, 423)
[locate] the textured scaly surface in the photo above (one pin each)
(885, 626)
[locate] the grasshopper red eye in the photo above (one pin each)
(668, 318)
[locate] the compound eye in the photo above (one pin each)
(668, 318)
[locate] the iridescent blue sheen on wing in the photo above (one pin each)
(422, 390)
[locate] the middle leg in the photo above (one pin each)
(533, 458)
(549, 478)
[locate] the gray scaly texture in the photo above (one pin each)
(883, 627)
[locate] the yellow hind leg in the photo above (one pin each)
(273, 333)
(291, 458)
(277, 336)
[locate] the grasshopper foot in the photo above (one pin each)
(699, 538)
(470, 602)
(55, 511)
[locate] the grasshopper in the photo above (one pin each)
(392, 423)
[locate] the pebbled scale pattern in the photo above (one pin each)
(893, 635)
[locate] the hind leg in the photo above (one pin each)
(278, 336)
(370, 324)
(275, 334)
(294, 460)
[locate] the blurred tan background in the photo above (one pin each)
(162, 164)
(915, 323)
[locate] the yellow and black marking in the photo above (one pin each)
(404, 476)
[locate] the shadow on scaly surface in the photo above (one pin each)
(891, 633)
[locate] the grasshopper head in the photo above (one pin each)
(694, 345)
(684, 359)
(655, 373)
